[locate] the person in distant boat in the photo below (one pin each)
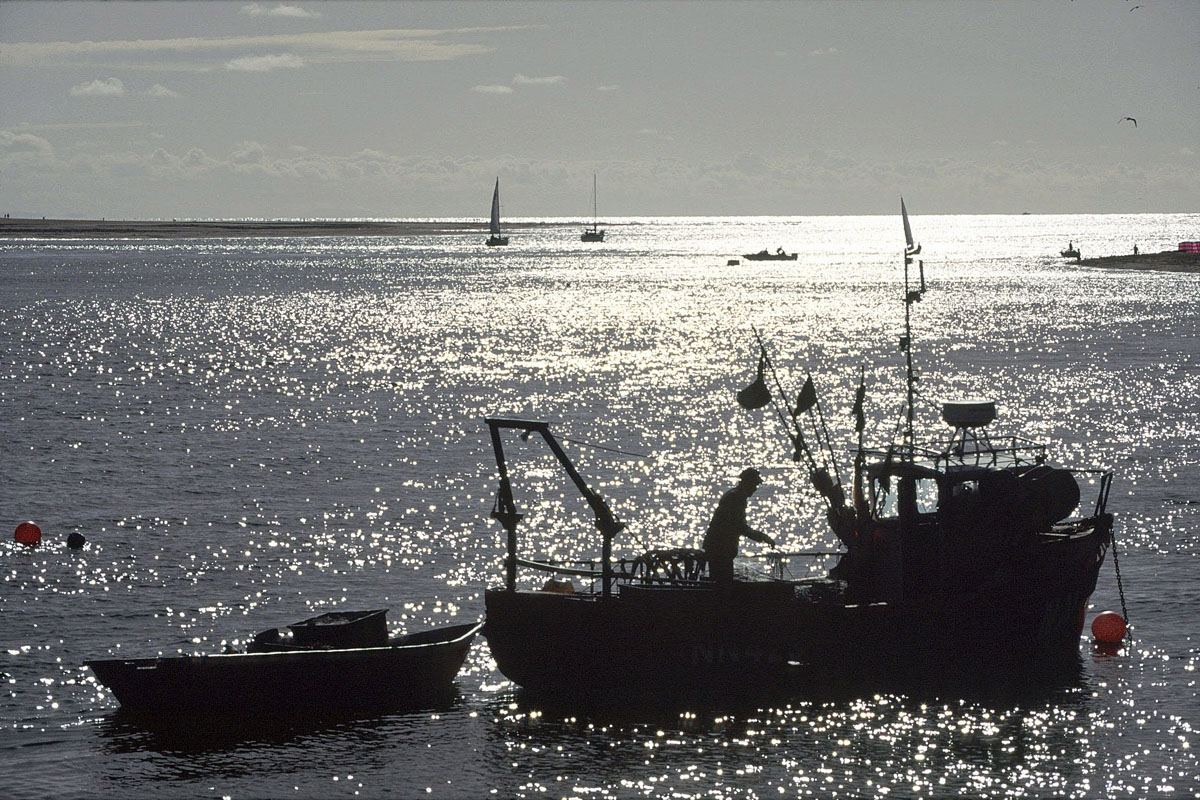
(729, 525)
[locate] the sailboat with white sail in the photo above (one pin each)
(593, 233)
(496, 239)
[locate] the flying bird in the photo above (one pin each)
(1135, 8)
(1131, 119)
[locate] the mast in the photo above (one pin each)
(910, 296)
(592, 233)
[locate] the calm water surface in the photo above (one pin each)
(249, 432)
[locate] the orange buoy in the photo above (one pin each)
(28, 533)
(1108, 627)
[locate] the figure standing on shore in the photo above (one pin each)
(1135, 250)
(729, 525)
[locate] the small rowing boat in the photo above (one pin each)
(316, 669)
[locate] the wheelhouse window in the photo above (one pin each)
(891, 496)
(927, 495)
(883, 498)
(965, 490)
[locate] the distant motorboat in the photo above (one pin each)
(496, 239)
(593, 233)
(764, 255)
(1071, 252)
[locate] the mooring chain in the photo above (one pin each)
(1121, 588)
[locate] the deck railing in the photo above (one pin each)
(675, 567)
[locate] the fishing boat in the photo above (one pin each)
(1071, 252)
(333, 663)
(593, 233)
(966, 557)
(764, 255)
(495, 239)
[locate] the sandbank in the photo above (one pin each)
(1166, 261)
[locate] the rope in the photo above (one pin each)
(637, 540)
(899, 423)
(798, 441)
(837, 471)
(602, 447)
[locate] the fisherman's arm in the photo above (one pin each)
(758, 536)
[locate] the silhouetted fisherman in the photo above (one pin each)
(729, 525)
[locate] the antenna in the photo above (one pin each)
(910, 296)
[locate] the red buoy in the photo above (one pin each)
(1108, 627)
(28, 533)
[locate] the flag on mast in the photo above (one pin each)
(756, 395)
(807, 398)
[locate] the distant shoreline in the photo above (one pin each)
(1166, 261)
(224, 229)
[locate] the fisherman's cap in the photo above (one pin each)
(750, 474)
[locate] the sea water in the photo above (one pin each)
(249, 432)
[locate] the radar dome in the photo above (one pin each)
(971, 413)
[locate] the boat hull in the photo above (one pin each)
(770, 256)
(417, 672)
(756, 638)
(497, 241)
(572, 646)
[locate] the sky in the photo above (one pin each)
(160, 110)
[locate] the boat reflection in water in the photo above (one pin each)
(125, 731)
(963, 560)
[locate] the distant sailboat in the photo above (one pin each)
(909, 248)
(496, 239)
(594, 233)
